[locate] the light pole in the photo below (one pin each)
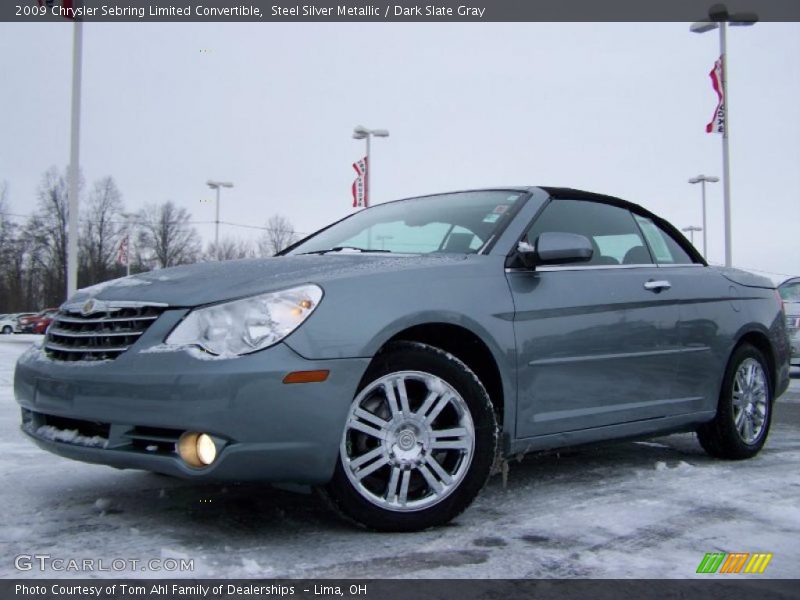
(719, 18)
(383, 239)
(362, 133)
(74, 160)
(702, 179)
(215, 185)
(129, 217)
(691, 229)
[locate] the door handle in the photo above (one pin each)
(657, 286)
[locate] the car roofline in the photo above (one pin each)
(563, 193)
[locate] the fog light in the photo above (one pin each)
(197, 449)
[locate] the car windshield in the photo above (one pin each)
(463, 222)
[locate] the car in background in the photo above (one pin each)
(27, 323)
(42, 324)
(486, 324)
(790, 293)
(8, 324)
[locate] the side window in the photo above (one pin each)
(664, 247)
(612, 231)
(791, 292)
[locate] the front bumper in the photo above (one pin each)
(139, 403)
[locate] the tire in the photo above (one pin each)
(742, 423)
(7, 330)
(416, 476)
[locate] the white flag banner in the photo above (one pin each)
(360, 191)
(717, 124)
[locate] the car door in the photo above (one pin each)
(597, 342)
(708, 313)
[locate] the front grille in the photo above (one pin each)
(154, 439)
(100, 335)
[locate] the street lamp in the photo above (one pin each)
(719, 18)
(702, 179)
(215, 185)
(362, 133)
(129, 223)
(691, 229)
(73, 176)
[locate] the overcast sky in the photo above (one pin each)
(613, 108)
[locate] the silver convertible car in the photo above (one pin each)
(392, 359)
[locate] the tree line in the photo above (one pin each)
(33, 252)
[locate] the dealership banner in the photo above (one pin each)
(360, 189)
(717, 124)
(394, 11)
(122, 251)
(708, 588)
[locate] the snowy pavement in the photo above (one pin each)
(647, 509)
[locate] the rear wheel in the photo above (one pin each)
(418, 444)
(744, 413)
(7, 330)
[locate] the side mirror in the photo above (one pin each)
(556, 248)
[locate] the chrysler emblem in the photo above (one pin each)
(88, 307)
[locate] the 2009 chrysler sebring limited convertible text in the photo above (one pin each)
(390, 358)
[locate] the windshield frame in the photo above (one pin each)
(524, 195)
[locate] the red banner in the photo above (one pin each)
(360, 191)
(717, 124)
(122, 252)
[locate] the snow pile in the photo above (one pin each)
(70, 436)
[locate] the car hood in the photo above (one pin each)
(206, 283)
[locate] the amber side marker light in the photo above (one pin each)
(306, 377)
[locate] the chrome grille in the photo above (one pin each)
(103, 334)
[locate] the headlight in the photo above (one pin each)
(247, 325)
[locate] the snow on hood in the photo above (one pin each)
(204, 283)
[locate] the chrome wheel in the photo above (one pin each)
(750, 398)
(408, 442)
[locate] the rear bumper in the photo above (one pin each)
(136, 404)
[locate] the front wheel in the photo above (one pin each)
(744, 413)
(7, 330)
(418, 444)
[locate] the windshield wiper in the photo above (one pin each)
(345, 249)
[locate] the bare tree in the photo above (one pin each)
(101, 231)
(9, 274)
(279, 234)
(166, 237)
(47, 230)
(230, 249)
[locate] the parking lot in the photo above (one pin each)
(634, 509)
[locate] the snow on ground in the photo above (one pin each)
(633, 509)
